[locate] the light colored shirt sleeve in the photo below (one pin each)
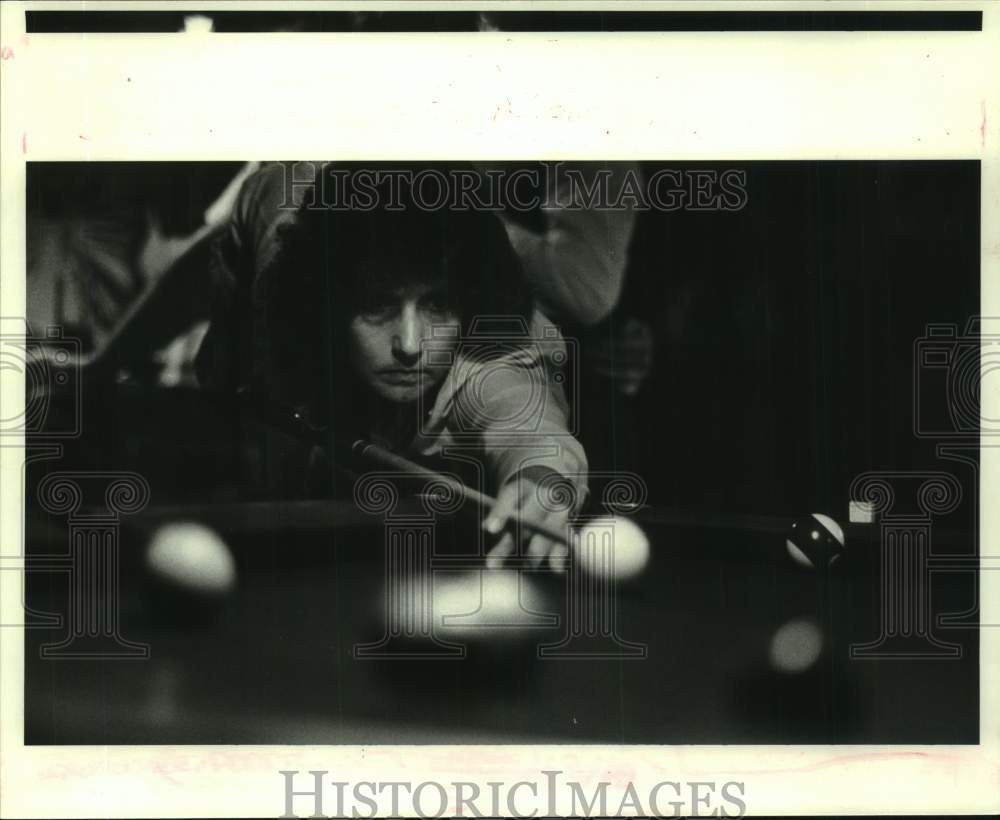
(514, 413)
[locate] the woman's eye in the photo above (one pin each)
(377, 315)
(378, 308)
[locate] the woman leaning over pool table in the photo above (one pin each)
(409, 326)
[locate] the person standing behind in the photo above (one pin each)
(574, 251)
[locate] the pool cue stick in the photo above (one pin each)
(366, 449)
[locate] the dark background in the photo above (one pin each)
(785, 331)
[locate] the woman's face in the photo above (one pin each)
(402, 340)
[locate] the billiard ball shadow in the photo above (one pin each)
(172, 607)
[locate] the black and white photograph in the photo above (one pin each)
(488, 461)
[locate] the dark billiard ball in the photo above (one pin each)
(815, 541)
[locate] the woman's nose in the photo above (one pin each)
(409, 335)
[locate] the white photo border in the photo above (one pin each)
(720, 96)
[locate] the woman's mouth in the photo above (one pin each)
(400, 376)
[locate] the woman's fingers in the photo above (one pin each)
(538, 548)
(508, 501)
(557, 557)
(496, 556)
(514, 500)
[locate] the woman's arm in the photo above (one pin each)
(525, 438)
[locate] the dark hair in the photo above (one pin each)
(329, 259)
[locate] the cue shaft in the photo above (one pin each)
(366, 449)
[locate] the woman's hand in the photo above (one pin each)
(519, 497)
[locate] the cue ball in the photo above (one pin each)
(593, 542)
(191, 557)
(796, 645)
(815, 540)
